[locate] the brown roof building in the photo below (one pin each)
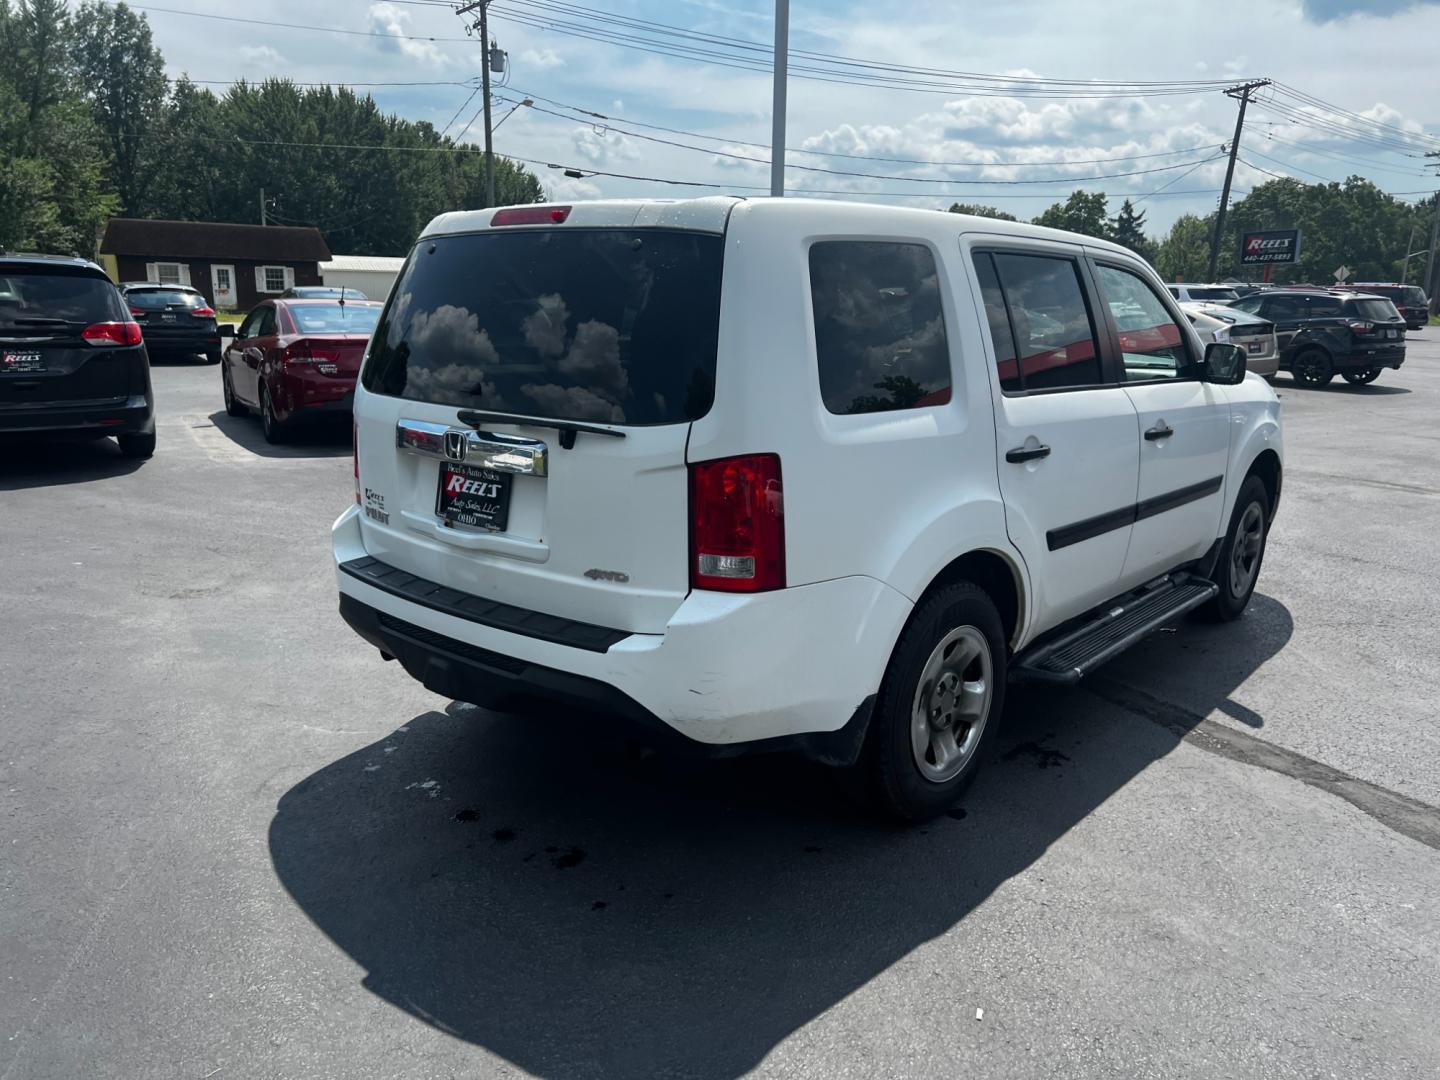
(235, 266)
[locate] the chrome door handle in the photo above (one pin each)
(1026, 453)
(1159, 431)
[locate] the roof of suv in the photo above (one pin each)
(710, 213)
(157, 285)
(36, 258)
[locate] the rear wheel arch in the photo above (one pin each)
(1268, 468)
(998, 576)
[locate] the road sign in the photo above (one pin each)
(1341, 273)
(1272, 246)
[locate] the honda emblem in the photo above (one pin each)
(456, 443)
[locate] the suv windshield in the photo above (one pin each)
(335, 318)
(613, 325)
(1375, 310)
(29, 295)
(159, 299)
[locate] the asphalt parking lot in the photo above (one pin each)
(234, 843)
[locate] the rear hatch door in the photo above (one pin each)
(44, 357)
(167, 317)
(527, 401)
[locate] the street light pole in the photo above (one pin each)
(777, 119)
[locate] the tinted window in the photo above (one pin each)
(1285, 307)
(1053, 331)
(1250, 304)
(999, 320)
(159, 299)
(264, 323)
(335, 318)
(1323, 307)
(1213, 294)
(76, 298)
(613, 325)
(1375, 310)
(879, 333)
(1151, 343)
(1414, 296)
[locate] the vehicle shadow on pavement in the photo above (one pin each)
(1368, 390)
(27, 462)
(325, 436)
(536, 886)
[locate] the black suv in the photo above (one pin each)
(71, 358)
(176, 320)
(1322, 335)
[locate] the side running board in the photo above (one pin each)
(1079, 651)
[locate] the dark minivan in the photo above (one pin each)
(1409, 299)
(1321, 334)
(176, 320)
(71, 358)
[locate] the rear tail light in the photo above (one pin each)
(204, 313)
(113, 333)
(302, 352)
(530, 215)
(737, 524)
(355, 456)
(1363, 327)
(137, 313)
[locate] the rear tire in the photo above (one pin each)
(269, 424)
(1313, 368)
(212, 356)
(1238, 568)
(139, 446)
(1361, 376)
(938, 707)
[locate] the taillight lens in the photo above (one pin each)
(137, 313)
(355, 456)
(113, 333)
(737, 524)
(203, 312)
(1363, 327)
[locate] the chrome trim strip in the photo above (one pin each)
(484, 449)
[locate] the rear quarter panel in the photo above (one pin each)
(894, 496)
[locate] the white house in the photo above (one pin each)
(371, 274)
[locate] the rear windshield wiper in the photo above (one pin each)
(567, 430)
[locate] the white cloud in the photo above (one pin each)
(541, 59)
(391, 21)
(262, 55)
(603, 146)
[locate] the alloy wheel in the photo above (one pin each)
(952, 704)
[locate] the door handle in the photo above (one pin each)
(1159, 431)
(1026, 453)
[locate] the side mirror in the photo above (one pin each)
(1224, 364)
(225, 329)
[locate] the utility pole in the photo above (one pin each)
(1430, 287)
(263, 220)
(1244, 92)
(1409, 247)
(484, 28)
(779, 76)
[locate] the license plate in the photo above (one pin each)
(1255, 346)
(1391, 333)
(472, 496)
(22, 363)
(165, 317)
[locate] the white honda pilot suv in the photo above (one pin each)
(783, 474)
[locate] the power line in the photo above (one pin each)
(610, 121)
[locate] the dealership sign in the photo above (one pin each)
(1275, 246)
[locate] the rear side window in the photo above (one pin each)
(1323, 307)
(27, 296)
(334, 318)
(612, 325)
(1050, 321)
(1375, 310)
(1414, 296)
(1284, 307)
(160, 299)
(879, 331)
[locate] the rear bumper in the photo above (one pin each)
(793, 669)
(133, 415)
(1391, 356)
(309, 393)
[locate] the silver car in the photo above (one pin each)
(1218, 322)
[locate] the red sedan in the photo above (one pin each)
(296, 358)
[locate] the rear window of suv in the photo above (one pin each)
(160, 299)
(611, 325)
(1375, 310)
(75, 297)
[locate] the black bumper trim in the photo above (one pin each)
(464, 672)
(513, 620)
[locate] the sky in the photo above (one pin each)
(1376, 58)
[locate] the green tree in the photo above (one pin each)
(981, 210)
(123, 77)
(1184, 254)
(1128, 229)
(1085, 212)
